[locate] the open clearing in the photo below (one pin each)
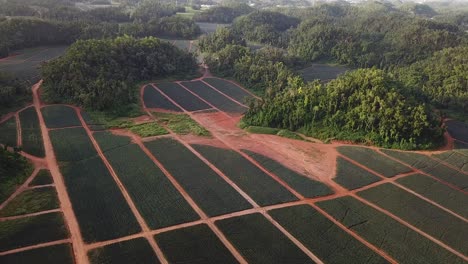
(323, 72)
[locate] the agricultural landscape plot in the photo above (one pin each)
(31, 132)
(43, 177)
(132, 251)
(458, 130)
(8, 132)
(182, 97)
(154, 99)
(61, 253)
(230, 89)
(59, 116)
(72, 144)
(454, 158)
(32, 201)
(352, 176)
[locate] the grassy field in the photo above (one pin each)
(32, 230)
(260, 186)
(132, 251)
(374, 161)
(154, 99)
(72, 144)
(196, 244)
(259, 241)
(181, 124)
(31, 132)
(323, 72)
(43, 177)
(148, 129)
(58, 116)
(54, 254)
(213, 97)
(182, 97)
(321, 236)
(455, 158)
(351, 176)
(207, 189)
(397, 240)
(229, 89)
(437, 192)
(14, 171)
(32, 201)
(301, 183)
(8, 132)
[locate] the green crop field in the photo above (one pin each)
(458, 130)
(156, 198)
(108, 141)
(321, 236)
(374, 161)
(32, 201)
(181, 124)
(154, 99)
(72, 144)
(132, 251)
(196, 244)
(12, 177)
(32, 230)
(437, 192)
(46, 255)
(31, 132)
(351, 176)
(93, 124)
(257, 184)
(229, 89)
(259, 241)
(207, 189)
(301, 183)
(455, 158)
(8, 132)
(182, 97)
(421, 214)
(43, 177)
(58, 116)
(397, 240)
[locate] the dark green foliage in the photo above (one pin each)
(108, 141)
(11, 90)
(62, 254)
(32, 201)
(148, 129)
(207, 189)
(351, 176)
(230, 89)
(58, 116)
(32, 230)
(31, 132)
(43, 177)
(154, 99)
(437, 192)
(263, 189)
(259, 241)
(196, 244)
(14, 170)
(458, 130)
(132, 251)
(326, 240)
(182, 97)
(374, 161)
(172, 27)
(219, 39)
(223, 14)
(401, 243)
(304, 185)
(430, 219)
(71, 144)
(148, 10)
(8, 132)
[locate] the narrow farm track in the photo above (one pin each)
(65, 203)
(48, 244)
(19, 137)
(20, 189)
(29, 215)
(41, 186)
(229, 97)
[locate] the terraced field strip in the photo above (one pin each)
(152, 98)
(31, 135)
(230, 89)
(60, 116)
(350, 175)
(58, 253)
(9, 132)
(181, 96)
(125, 252)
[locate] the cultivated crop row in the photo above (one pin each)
(58, 116)
(31, 132)
(8, 132)
(154, 99)
(229, 89)
(182, 97)
(352, 176)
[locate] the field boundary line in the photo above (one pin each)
(163, 94)
(21, 188)
(41, 245)
(227, 96)
(19, 136)
(443, 162)
(60, 128)
(40, 186)
(236, 84)
(8, 218)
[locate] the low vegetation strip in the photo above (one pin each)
(62, 254)
(154, 99)
(99, 206)
(32, 230)
(263, 189)
(31, 132)
(454, 158)
(374, 161)
(72, 144)
(14, 171)
(351, 176)
(401, 243)
(181, 124)
(421, 214)
(43, 177)
(259, 241)
(437, 192)
(58, 116)
(321, 236)
(304, 185)
(182, 97)
(458, 130)
(132, 251)
(148, 129)
(229, 89)
(32, 201)
(213, 97)
(156, 198)
(8, 132)
(196, 244)
(214, 195)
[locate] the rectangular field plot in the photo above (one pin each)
(437, 192)
(229, 89)
(351, 176)
(43, 177)
(182, 97)
(196, 244)
(458, 130)
(32, 201)
(257, 184)
(32, 230)
(321, 236)
(31, 132)
(132, 251)
(401, 243)
(8, 132)
(455, 158)
(58, 116)
(301, 183)
(61, 253)
(259, 241)
(156, 198)
(421, 214)
(207, 189)
(154, 99)
(72, 144)
(108, 141)
(99, 206)
(213, 97)
(92, 122)
(374, 161)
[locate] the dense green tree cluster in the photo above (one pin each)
(224, 13)
(101, 74)
(151, 9)
(10, 90)
(216, 41)
(173, 27)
